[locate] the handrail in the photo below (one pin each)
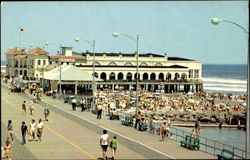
(215, 147)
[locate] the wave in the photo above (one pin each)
(225, 85)
(224, 81)
(225, 89)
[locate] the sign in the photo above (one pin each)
(67, 60)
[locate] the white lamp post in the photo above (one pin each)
(115, 34)
(93, 83)
(60, 66)
(216, 21)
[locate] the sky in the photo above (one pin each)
(178, 28)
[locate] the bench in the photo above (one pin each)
(191, 142)
(128, 121)
(143, 127)
(226, 154)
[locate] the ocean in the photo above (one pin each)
(218, 78)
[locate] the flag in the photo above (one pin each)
(23, 31)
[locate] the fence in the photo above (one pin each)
(208, 145)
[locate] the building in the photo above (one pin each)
(156, 72)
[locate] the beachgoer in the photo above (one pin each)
(138, 117)
(73, 104)
(164, 131)
(39, 129)
(99, 111)
(104, 141)
(198, 129)
(32, 130)
(113, 146)
(31, 107)
(46, 113)
(193, 134)
(24, 130)
(7, 150)
(24, 107)
(10, 131)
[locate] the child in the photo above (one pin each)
(7, 150)
(113, 146)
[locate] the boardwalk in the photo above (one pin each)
(75, 135)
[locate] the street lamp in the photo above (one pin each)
(216, 21)
(60, 66)
(116, 34)
(93, 83)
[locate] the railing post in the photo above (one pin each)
(206, 144)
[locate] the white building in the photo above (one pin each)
(116, 69)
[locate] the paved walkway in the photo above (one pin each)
(134, 144)
(62, 137)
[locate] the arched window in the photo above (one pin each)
(145, 76)
(169, 76)
(143, 64)
(136, 76)
(103, 76)
(152, 76)
(176, 76)
(96, 64)
(129, 76)
(112, 76)
(161, 76)
(128, 64)
(183, 76)
(112, 64)
(120, 76)
(158, 64)
(96, 74)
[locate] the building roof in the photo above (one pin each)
(68, 57)
(16, 51)
(69, 73)
(19, 56)
(123, 54)
(122, 66)
(38, 51)
(178, 59)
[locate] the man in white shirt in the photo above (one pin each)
(39, 129)
(104, 141)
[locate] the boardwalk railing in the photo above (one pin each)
(208, 145)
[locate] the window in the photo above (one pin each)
(112, 64)
(190, 74)
(196, 73)
(128, 64)
(44, 62)
(39, 62)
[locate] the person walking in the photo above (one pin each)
(73, 104)
(24, 130)
(104, 141)
(7, 150)
(46, 113)
(99, 111)
(32, 130)
(39, 129)
(82, 102)
(113, 146)
(138, 117)
(34, 98)
(31, 107)
(24, 107)
(10, 131)
(164, 130)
